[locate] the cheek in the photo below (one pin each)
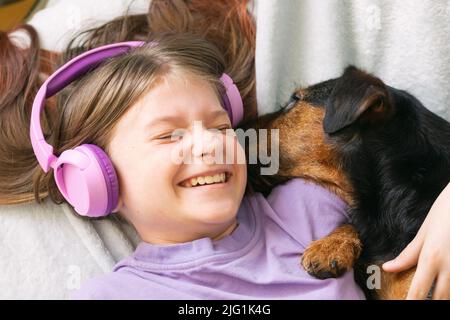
(239, 161)
(146, 174)
(151, 191)
(160, 169)
(235, 153)
(242, 176)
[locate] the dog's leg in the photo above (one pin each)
(333, 255)
(395, 286)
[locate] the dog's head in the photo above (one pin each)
(354, 102)
(357, 100)
(325, 124)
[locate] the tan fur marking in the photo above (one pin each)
(395, 286)
(304, 152)
(333, 255)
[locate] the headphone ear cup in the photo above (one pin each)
(232, 100)
(109, 174)
(86, 178)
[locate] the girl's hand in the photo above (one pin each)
(430, 250)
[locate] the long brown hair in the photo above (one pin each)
(80, 115)
(19, 80)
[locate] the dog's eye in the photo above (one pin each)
(295, 97)
(292, 101)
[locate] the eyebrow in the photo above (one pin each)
(179, 119)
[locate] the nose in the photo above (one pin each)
(205, 143)
(198, 146)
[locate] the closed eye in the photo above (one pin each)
(292, 101)
(164, 137)
(172, 136)
(223, 128)
(177, 134)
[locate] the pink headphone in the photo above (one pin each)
(85, 175)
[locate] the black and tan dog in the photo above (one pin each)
(376, 147)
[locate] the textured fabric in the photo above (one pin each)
(405, 43)
(46, 251)
(258, 260)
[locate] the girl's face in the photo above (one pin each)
(171, 135)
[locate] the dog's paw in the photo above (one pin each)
(331, 256)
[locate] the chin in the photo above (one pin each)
(215, 213)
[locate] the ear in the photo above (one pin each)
(357, 96)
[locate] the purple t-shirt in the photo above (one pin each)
(260, 259)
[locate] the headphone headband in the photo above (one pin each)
(64, 76)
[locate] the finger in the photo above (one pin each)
(423, 279)
(407, 258)
(442, 288)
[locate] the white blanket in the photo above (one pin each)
(405, 43)
(46, 251)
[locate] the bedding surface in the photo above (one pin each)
(405, 43)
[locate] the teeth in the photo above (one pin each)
(218, 178)
(209, 179)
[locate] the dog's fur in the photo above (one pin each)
(376, 147)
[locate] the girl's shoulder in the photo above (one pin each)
(108, 286)
(298, 188)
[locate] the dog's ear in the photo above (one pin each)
(356, 97)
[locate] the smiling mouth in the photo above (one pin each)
(200, 181)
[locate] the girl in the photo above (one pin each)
(197, 241)
(202, 238)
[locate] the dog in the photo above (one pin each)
(376, 147)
